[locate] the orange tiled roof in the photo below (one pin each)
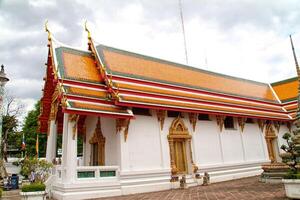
(209, 92)
(286, 90)
(91, 100)
(77, 65)
(144, 67)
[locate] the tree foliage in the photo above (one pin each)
(292, 152)
(12, 109)
(30, 132)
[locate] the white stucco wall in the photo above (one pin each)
(207, 143)
(232, 144)
(144, 143)
(147, 146)
(254, 143)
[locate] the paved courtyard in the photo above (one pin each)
(242, 189)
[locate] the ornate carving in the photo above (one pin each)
(74, 118)
(53, 111)
(220, 121)
(99, 139)
(193, 119)
(242, 122)
(161, 115)
(261, 124)
(276, 125)
(174, 170)
(123, 124)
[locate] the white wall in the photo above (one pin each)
(254, 143)
(207, 143)
(144, 143)
(232, 145)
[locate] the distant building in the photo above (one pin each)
(146, 122)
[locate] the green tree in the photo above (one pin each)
(12, 109)
(30, 132)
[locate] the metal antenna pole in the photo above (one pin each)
(183, 32)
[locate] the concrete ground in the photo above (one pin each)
(242, 189)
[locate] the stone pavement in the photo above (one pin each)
(11, 195)
(242, 189)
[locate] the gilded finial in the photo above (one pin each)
(87, 30)
(47, 30)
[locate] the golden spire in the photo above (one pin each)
(89, 35)
(47, 30)
(87, 30)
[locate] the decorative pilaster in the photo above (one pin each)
(161, 115)
(193, 119)
(123, 124)
(220, 121)
(174, 170)
(261, 124)
(242, 122)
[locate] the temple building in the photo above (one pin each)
(148, 124)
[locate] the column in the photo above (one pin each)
(123, 151)
(69, 151)
(51, 142)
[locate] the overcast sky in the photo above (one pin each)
(248, 39)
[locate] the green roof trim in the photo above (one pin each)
(284, 81)
(100, 52)
(288, 100)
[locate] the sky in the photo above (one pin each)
(243, 38)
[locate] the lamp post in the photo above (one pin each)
(3, 81)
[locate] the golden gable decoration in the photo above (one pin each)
(193, 119)
(220, 121)
(123, 124)
(242, 122)
(161, 115)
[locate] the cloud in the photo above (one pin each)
(244, 38)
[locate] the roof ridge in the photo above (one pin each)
(179, 64)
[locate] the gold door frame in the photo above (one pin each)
(179, 132)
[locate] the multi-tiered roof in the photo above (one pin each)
(106, 81)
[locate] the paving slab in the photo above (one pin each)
(241, 189)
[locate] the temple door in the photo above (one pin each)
(179, 143)
(180, 156)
